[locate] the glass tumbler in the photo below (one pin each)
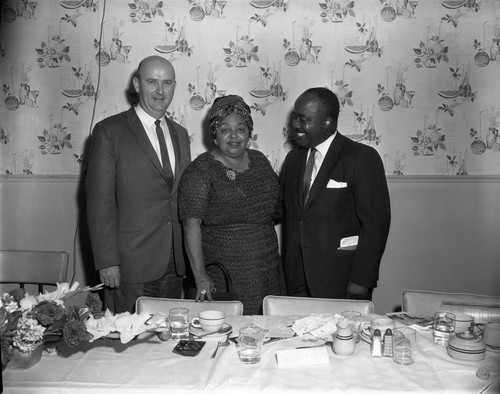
(249, 345)
(444, 326)
(404, 345)
(179, 323)
(354, 319)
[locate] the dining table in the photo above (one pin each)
(148, 365)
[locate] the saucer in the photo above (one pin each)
(225, 330)
(493, 348)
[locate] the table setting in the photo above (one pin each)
(214, 352)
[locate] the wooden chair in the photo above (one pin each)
(426, 303)
(33, 267)
(153, 305)
(284, 305)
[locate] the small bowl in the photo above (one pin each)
(466, 346)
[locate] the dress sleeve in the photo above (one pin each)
(194, 192)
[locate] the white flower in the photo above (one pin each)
(28, 334)
(27, 302)
(8, 302)
(58, 295)
(126, 324)
(100, 327)
(130, 325)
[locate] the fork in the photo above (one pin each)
(219, 344)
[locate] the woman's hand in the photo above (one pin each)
(204, 287)
(192, 237)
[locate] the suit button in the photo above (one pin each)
(301, 222)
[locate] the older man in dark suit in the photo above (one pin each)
(136, 159)
(335, 205)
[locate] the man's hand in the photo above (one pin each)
(110, 276)
(356, 292)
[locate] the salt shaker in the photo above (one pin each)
(388, 350)
(376, 346)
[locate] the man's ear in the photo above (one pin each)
(328, 122)
(135, 82)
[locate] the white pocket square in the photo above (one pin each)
(333, 184)
(349, 243)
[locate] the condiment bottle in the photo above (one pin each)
(376, 346)
(388, 350)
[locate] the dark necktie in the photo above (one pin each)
(163, 149)
(308, 174)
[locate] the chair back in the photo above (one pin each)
(284, 305)
(153, 305)
(33, 267)
(426, 303)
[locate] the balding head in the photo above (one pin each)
(155, 84)
(148, 61)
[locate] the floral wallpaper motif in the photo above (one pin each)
(417, 80)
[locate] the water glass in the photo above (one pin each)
(444, 326)
(354, 319)
(249, 345)
(404, 345)
(179, 323)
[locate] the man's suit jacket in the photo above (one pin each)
(312, 232)
(132, 212)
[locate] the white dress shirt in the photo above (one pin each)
(149, 125)
(322, 150)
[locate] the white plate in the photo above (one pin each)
(226, 330)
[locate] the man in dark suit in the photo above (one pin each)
(136, 159)
(341, 201)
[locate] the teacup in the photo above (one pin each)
(380, 323)
(463, 322)
(209, 321)
(491, 334)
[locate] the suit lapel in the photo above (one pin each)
(301, 163)
(331, 159)
(175, 142)
(141, 136)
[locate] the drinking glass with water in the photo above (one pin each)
(249, 345)
(179, 323)
(444, 326)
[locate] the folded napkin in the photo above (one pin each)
(299, 357)
(322, 325)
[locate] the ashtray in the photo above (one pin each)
(188, 348)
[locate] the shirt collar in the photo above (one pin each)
(325, 145)
(147, 118)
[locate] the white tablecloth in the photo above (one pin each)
(148, 365)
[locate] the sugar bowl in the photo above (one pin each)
(466, 346)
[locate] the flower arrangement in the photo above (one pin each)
(26, 321)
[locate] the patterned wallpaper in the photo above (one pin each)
(417, 80)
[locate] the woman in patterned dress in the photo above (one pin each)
(226, 202)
